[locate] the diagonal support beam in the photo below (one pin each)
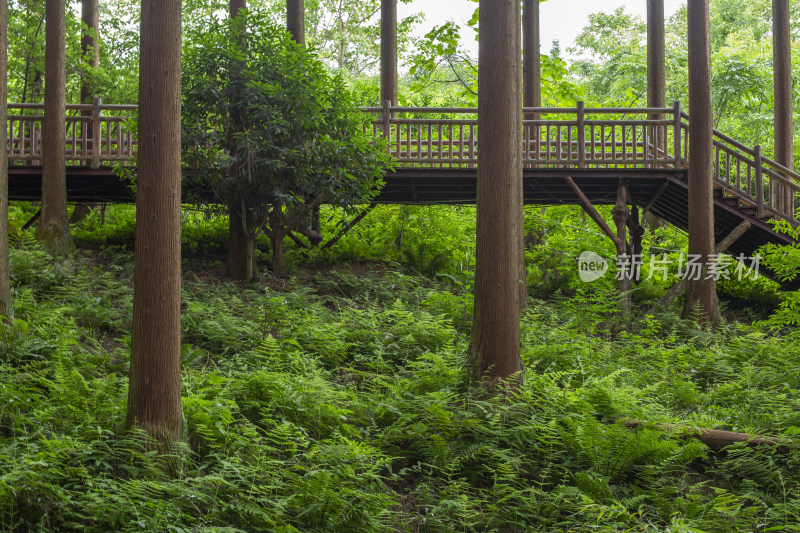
(592, 211)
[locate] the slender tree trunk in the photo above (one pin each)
(620, 215)
(6, 307)
(784, 126)
(389, 51)
(53, 224)
(701, 291)
(90, 50)
(495, 350)
(154, 395)
(531, 97)
(656, 70)
(295, 20)
(531, 55)
(90, 15)
(278, 257)
(241, 245)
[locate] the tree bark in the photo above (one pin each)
(241, 245)
(495, 349)
(656, 69)
(90, 14)
(295, 20)
(278, 257)
(700, 292)
(389, 51)
(620, 214)
(154, 395)
(54, 225)
(90, 50)
(531, 55)
(784, 126)
(6, 305)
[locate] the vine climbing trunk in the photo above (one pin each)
(784, 124)
(701, 292)
(495, 350)
(154, 394)
(54, 225)
(6, 305)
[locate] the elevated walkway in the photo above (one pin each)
(437, 150)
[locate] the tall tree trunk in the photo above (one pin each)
(389, 51)
(531, 55)
(154, 395)
(295, 20)
(656, 70)
(53, 224)
(495, 350)
(784, 126)
(702, 292)
(6, 307)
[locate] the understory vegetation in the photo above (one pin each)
(336, 399)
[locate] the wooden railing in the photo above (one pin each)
(580, 137)
(96, 134)
(424, 137)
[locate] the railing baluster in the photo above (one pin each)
(450, 153)
(581, 136)
(676, 133)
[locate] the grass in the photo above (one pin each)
(336, 400)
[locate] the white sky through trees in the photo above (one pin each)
(560, 19)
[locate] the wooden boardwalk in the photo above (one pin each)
(437, 151)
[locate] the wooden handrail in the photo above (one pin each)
(577, 137)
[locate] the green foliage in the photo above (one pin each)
(269, 130)
(337, 400)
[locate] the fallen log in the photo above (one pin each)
(716, 439)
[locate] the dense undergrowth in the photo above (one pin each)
(336, 400)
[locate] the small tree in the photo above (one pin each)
(302, 142)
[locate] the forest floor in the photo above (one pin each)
(336, 400)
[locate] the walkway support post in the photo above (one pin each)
(676, 134)
(386, 116)
(582, 136)
(760, 210)
(97, 139)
